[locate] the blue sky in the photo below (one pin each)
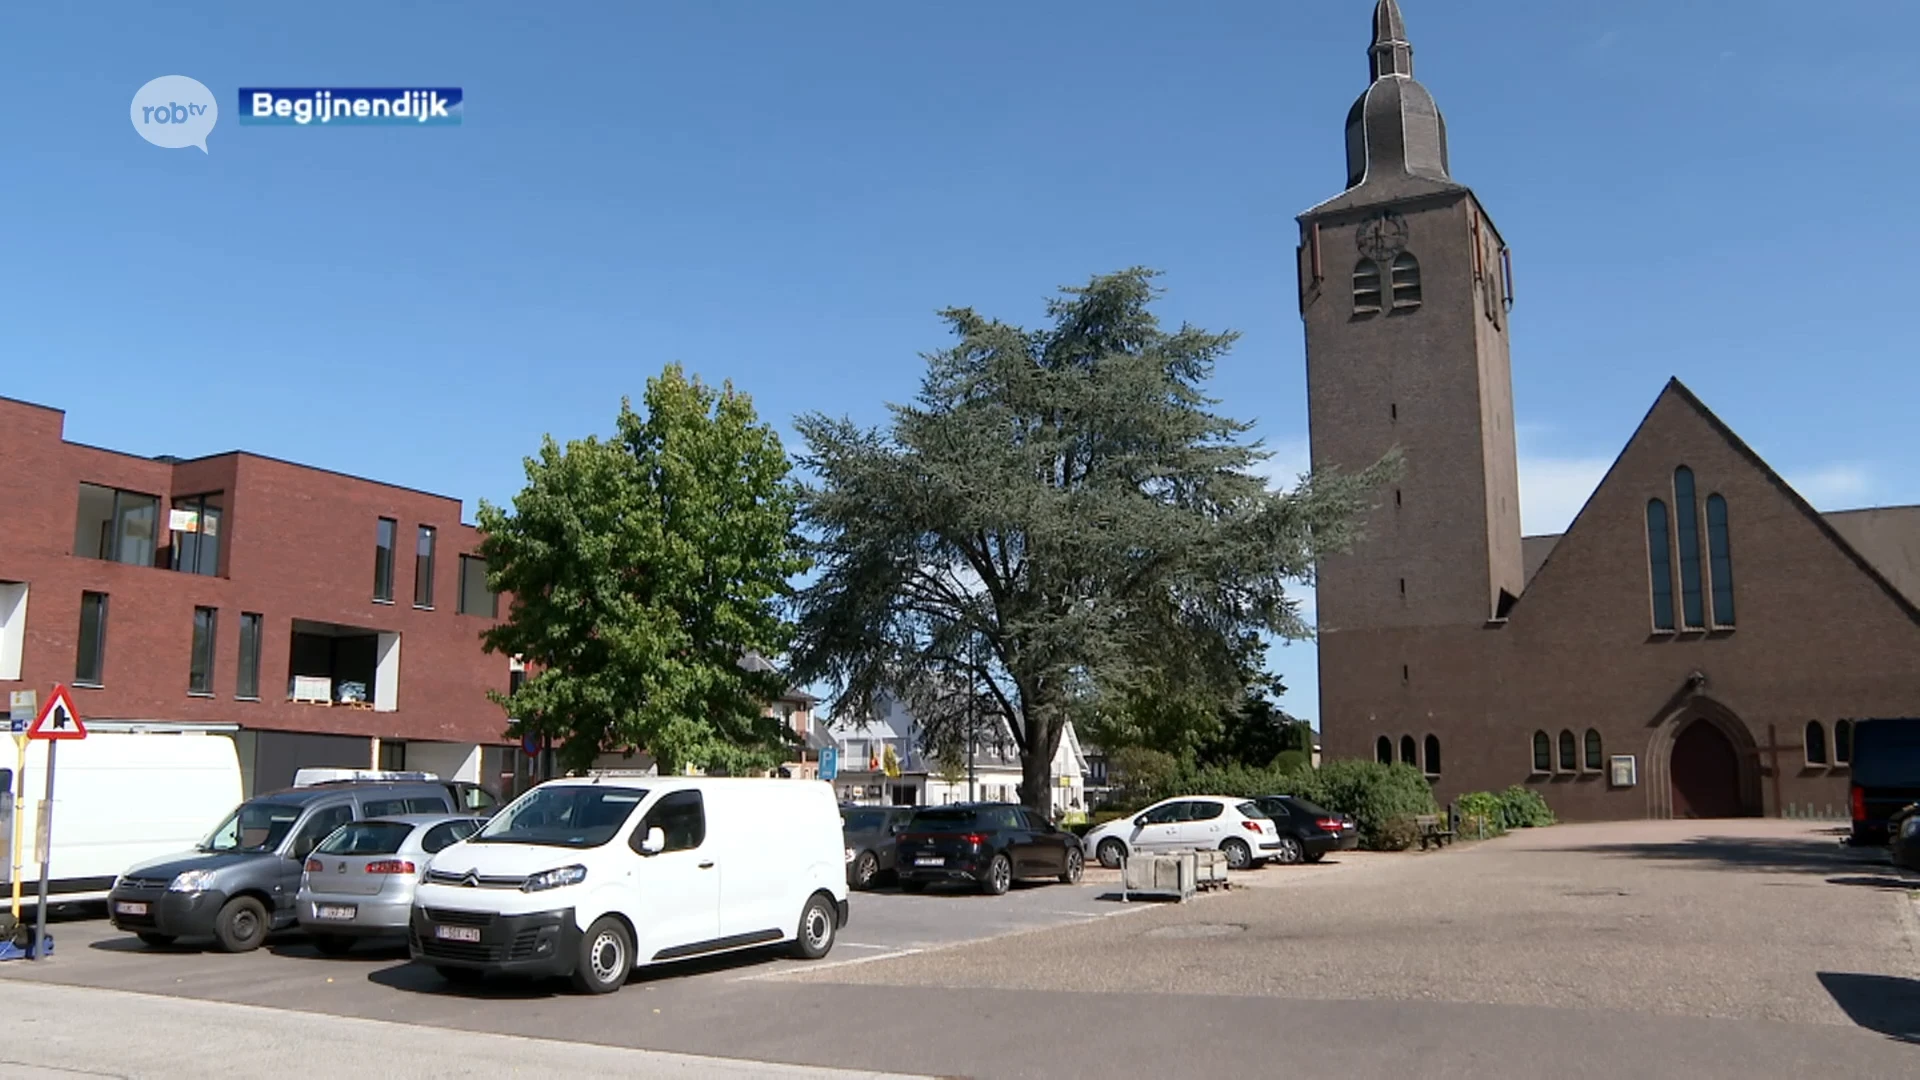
(783, 194)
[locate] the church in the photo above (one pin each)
(1698, 643)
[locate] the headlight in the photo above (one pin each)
(553, 879)
(192, 881)
(1911, 827)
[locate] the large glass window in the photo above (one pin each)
(1842, 742)
(247, 682)
(383, 540)
(1594, 757)
(1568, 763)
(1816, 743)
(1433, 755)
(1409, 752)
(1660, 564)
(118, 526)
(475, 597)
(194, 524)
(1687, 526)
(1720, 561)
(200, 671)
(423, 568)
(1383, 750)
(1542, 752)
(90, 662)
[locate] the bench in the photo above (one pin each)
(1434, 831)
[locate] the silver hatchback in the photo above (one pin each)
(359, 882)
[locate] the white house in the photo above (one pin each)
(864, 776)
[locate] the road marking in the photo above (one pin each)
(800, 968)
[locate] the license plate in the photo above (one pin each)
(457, 933)
(336, 911)
(929, 862)
(129, 907)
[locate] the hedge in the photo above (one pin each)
(1384, 799)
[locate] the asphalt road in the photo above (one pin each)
(1740, 949)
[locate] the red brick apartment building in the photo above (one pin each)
(318, 618)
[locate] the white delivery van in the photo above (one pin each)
(592, 877)
(120, 799)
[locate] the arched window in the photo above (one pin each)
(1687, 527)
(1383, 750)
(1843, 742)
(1406, 282)
(1568, 762)
(1720, 561)
(1593, 751)
(1366, 287)
(1409, 752)
(1542, 753)
(1816, 743)
(1433, 755)
(1660, 564)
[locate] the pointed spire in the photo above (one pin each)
(1391, 53)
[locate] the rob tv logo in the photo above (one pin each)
(175, 112)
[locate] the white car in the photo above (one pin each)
(1235, 826)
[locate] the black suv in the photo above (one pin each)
(1886, 775)
(984, 844)
(1307, 832)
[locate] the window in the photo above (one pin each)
(200, 668)
(446, 834)
(1383, 750)
(1406, 282)
(418, 804)
(1688, 528)
(118, 526)
(246, 683)
(1409, 753)
(1433, 755)
(1843, 742)
(1366, 287)
(1206, 811)
(1660, 564)
(89, 666)
(194, 525)
(1568, 763)
(1594, 758)
(318, 828)
(1542, 753)
(679, 814)
(13, 627)
(383, 535)
(423, 568)
(475, 597)
(1166, 815)
(1816, 743)
(1720, 561)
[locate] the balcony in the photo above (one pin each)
(344, 666)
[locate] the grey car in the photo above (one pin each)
(240, 883)
(870, 832)
(359, 882)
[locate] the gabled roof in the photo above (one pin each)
(1678, 390)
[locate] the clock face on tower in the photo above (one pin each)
(1383, 237)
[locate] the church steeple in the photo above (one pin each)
(1391, 54)
(1395, 130)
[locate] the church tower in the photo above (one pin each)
(1405, 288)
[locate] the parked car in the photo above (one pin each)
(591, 877)
(359, 882)
(1886, 775)
(870, 833)
(1307, 832)
(1904, 844)
(468, 797)
(989, 845)
(241, 882)
(1235, 826)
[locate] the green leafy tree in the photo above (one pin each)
(643, 569)
(1056, 505)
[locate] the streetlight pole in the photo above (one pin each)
(972, 795)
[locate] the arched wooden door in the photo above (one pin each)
(1705, 773)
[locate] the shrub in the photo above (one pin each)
(1291, 761)
(1396, 834)
(1374, 794)
(1524, 808)
(1481, 809)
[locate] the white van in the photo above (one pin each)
(593, 877)
(120, 799)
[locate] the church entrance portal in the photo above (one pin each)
(1705, 773)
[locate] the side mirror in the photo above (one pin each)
(655, 843)
(1140, 822)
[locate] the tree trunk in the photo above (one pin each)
(1036, 781)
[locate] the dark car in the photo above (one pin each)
(242, 881)
(988, 845)
(870, 833)
(1886, 775)
(1307, 832)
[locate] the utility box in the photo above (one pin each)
(1160, 875)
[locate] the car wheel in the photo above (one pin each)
(606, 957)
(1076, 866)
(158, 941)
(1289, 851)
(460, 976)
(1111, 853)
(1315, 856)
(332, 944)
(241, 925)
(998, 877)
(865, 869)
(1239, 855)
(818, 921)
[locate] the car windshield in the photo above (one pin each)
(864, 820)
(256, 825)
(566, 815)
(366, 838)
(941, 820)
